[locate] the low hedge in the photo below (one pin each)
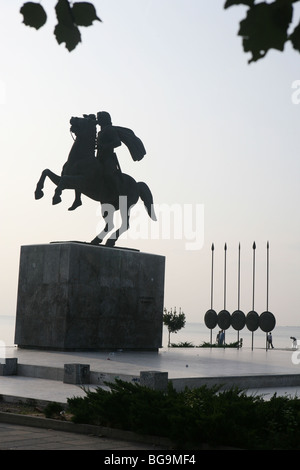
(194, 416)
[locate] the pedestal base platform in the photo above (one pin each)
(74, 296)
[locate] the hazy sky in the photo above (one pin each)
(222, 137)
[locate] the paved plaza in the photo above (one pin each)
(178, 362)
(181, 363)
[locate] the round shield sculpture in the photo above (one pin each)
(211, 319)
(252, 320)
(238, 320)
(224, 319)
(267, 321)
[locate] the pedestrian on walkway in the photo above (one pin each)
(270, 340)
(221, 337)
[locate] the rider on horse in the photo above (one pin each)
(94, 174)
(109, 138)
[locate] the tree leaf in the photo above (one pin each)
(64, 13)
(34, 15)
(84, 13)
(66, 31)
(265, 27)
(70, 36)
(295, 38)
(230, 3)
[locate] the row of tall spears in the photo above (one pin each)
(238, 320)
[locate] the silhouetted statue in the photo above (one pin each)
(99, 177)
(109, 138)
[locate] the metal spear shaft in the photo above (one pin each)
(239, 275)
(253, 286)
(267, 289)
(225, 252)
(212, 276)
(212, 283)
(239, 285)
(253, 276)
(267, 276)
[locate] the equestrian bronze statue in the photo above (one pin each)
(93, 169)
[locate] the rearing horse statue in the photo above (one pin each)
(84, 173)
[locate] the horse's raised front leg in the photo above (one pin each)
(40, 185)
(107, 211)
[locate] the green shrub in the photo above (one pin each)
(53, 410)
(193, 417)
(205, 344)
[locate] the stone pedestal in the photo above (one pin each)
(8, 366)
(76, 374)
(74, 296)
(154, 379)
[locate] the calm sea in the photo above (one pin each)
(195, 333)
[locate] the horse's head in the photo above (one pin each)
(84, 126)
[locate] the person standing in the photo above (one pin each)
(270, 340)
(294, 345)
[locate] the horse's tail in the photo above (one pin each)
(146, 196)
